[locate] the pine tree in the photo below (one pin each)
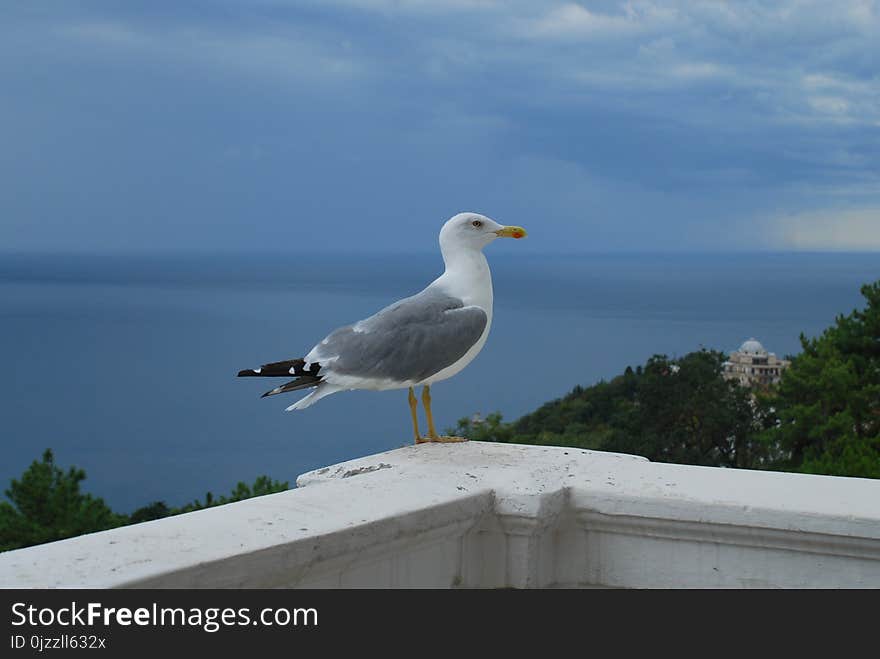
(47, 505)
(829, 399)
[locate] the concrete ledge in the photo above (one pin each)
(495, 515)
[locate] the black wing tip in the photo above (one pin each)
(304, 382)
(282, 370)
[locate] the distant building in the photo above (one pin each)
(753, 365)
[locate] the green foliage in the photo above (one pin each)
(491, 429)
(47, 505)
(262, 485)
(684, 411)
(155, 510)
(829, 398)
(823, 418)
(670, 410)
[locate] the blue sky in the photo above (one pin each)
(363, 124)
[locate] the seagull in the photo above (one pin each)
(416, 341)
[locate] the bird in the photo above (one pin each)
(416, 341)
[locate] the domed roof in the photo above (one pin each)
(752, 347)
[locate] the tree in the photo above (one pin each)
(672, 410)
(261, 486)
(829, 398)
(684, 411)
(823, 418)
(155, 510)
(491, 429)
(47, 505)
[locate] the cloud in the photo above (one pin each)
(675, 119)
(842, 99)
(842, 229)
(792, 61)
(275, 53)
(409, 6)
(572, 21)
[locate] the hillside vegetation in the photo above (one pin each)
(824, 417)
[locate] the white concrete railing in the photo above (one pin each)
(495, 515)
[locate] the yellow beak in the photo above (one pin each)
(511, 232)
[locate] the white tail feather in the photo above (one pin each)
(317, 394)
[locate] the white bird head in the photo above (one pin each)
(474, 231)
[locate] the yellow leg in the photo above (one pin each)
(413, 406)
(426, 401)
(432, 432)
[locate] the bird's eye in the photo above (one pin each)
(477, 223)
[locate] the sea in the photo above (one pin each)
(125, 365)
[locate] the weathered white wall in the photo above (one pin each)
(493, 515)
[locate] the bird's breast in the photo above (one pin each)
(471, 282)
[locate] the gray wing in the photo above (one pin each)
(408, 341)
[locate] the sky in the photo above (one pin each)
(362, 125)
